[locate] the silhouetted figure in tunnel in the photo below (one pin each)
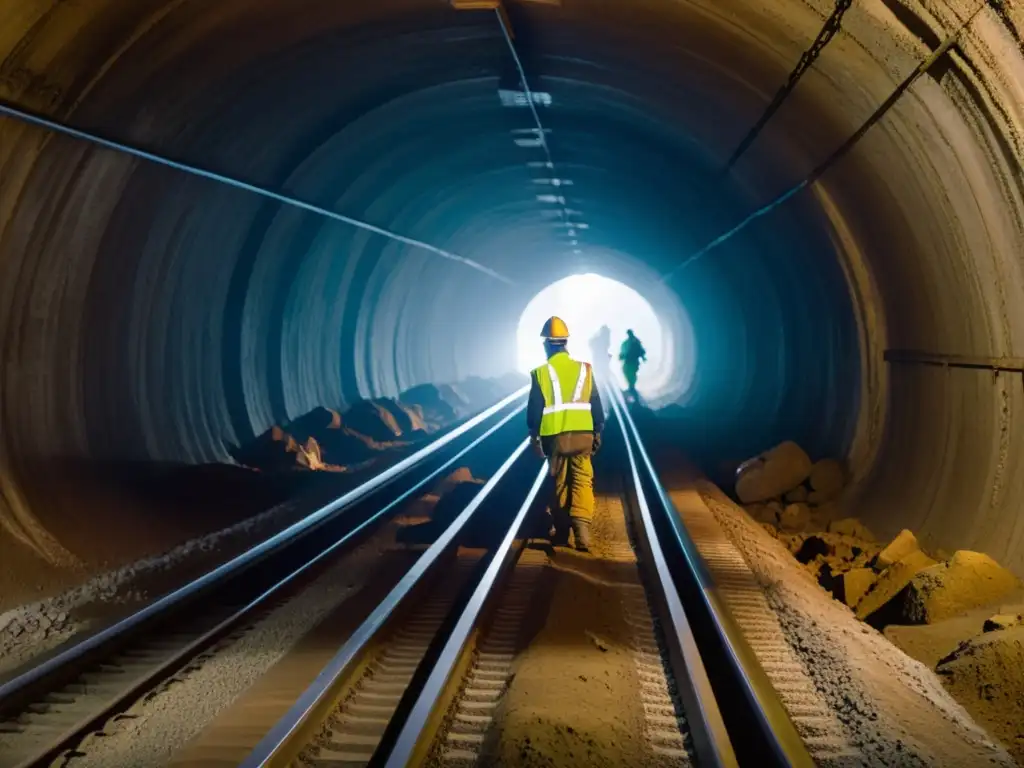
(631, 354)
(601, 354)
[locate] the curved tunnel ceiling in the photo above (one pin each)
(147, 314)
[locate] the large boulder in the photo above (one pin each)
(409, 418)
(440, 405)
(904, 543)
(827, 480)
(314, 423)
(798, 495)
(345, 447)
(372, 419)
(968, 580)
(853, 585)
(766, 513)
(773, 473)
(273, 451)
(338, 444)
(795, 517)
(874, 606)
(852, 527)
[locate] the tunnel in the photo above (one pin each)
(150, 315)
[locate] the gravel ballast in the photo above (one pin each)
(34, 628)
(894, 709)
(159, 725)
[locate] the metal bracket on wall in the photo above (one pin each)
(978, 362)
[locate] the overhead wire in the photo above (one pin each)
(832, 26)
(840, 151)
(16, 112)
(539, 126)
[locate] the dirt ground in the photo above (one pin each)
(983, 670)
(894, 708)
(575, 698)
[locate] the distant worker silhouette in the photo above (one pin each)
(565, 419)
(631, 353)
(601, 353)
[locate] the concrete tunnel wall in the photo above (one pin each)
(148, 315)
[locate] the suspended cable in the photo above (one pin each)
(541, 134)
(840, 152)
(828, 31)
(18, 113)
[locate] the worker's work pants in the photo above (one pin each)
(629, 370)
(573, 472)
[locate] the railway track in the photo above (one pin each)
(48, 709)
(439, 666)
(423, 678)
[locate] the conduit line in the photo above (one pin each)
(503, 21)
(839, 152)
(16, 112)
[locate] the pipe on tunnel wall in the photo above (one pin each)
(147, 315)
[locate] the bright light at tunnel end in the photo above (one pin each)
(587, 302)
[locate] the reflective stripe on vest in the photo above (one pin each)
(564, 412)
(556, 386)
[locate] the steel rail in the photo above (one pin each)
(283, 742)
(759, 726)
(246, 559)
(711, 741)
(399, 751)
(180, 658)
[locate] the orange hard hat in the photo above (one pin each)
(555, 328)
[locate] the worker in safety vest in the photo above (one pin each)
(565, 419)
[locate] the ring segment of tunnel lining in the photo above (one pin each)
(768, 317)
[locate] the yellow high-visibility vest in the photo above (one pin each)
(566, 385)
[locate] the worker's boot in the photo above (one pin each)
(560, 532)
(581, 532)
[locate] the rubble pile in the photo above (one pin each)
(330, 440)
(966, 604)
(785, 490)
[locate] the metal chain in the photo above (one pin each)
(828, 31)
(843, 148)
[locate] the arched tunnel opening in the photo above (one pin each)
(600, 313)
(554, 154)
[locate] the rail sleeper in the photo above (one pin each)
(817, 725)
(350, 737)
(486, 682)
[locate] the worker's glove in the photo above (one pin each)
(597, 442)
(537, 446)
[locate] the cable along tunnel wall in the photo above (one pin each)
(122, 285)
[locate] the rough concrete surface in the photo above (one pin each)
(894, 708)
